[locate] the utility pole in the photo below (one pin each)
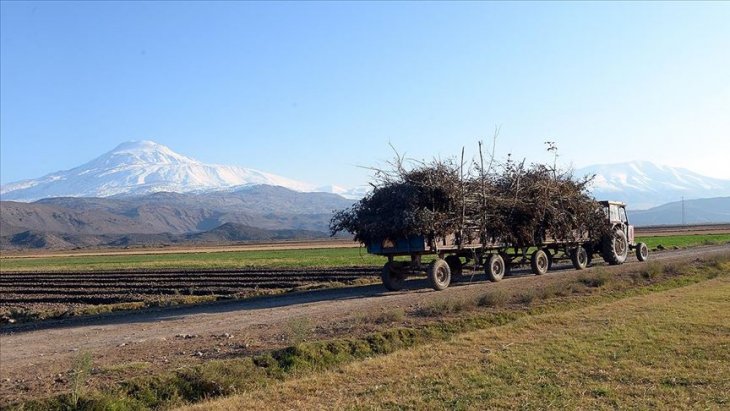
(684, 221)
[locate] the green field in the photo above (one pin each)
(312, 258)
(683, 241)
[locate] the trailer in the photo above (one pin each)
(452, 252)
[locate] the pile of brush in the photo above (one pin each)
(508, 203)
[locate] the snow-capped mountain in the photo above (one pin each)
(643, 184)
(355, 193)
(140, 167)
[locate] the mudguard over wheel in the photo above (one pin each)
(393, 275)
(579, 257)
(642, 252)
(539, 262)
(615, 248)
(495, 267)
(439, 274)
(456, 266)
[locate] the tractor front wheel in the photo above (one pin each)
(642, 252)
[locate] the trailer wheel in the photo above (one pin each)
(615, 247)
(539, 262)
(393, 275)
(507, 263)
(549, 257)
(579, 257)
(589, 251)
(495, 267)
(642, 252)
(455, 266)
(439, 274)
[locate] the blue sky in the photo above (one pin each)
(314, 90)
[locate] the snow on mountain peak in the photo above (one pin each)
(140, 167)
(143, 152)
(643, 184)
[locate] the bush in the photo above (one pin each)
(652, 270)
(594, 280)
(446, 306)
(496, 298)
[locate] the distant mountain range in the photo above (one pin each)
(143, 193)
(702, 211)
(259, 212)
(144, 167)
(642, 184)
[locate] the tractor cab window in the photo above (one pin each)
(613, 211)
(622, 215)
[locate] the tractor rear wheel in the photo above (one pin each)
(615, 247)
(439, 274)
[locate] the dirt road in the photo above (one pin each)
(34, 357)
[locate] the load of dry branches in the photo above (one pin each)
(508, 203)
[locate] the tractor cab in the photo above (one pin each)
(615, 212)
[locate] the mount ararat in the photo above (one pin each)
(145, 167)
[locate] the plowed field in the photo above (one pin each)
(59, 292)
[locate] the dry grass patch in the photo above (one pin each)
(666, 350)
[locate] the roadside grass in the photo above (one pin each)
(653, 351)
(307, 359)
(684, 241)
(309, 258)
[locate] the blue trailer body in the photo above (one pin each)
(401, 246)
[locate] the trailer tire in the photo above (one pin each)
(589, 251)
(439, 274)
(615, 247)
(495, 267)
(579, 257)
(642, 252)
(507, 263)
(393, 275)
(550, 258)
(539, 262)
(456, 266)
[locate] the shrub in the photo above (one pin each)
(596, 279)
(496, 298)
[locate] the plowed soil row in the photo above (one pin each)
(48, 291)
